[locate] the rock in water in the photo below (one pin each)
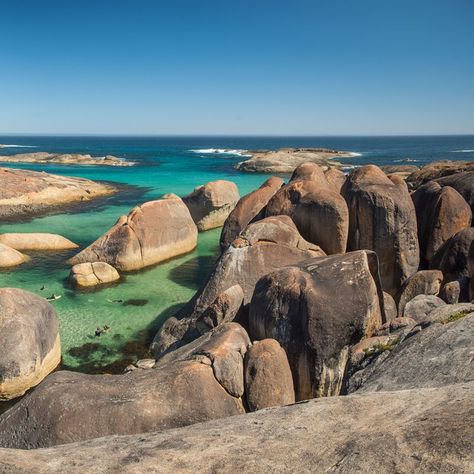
(29, 341)
(248, 209)
(320, 214)
(382, 218)
(316, 310)
(211, 204)
(441, 212)
(268, 379)
(192, 387)
(37, 241)
(151, 233)
(10, 257)
(92, 274)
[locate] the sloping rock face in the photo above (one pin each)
(382, 218)
(262, 248)
(316, 310)
(10, 257)
(452, 259)
(463, 183)
(335, 178)
(422, 431)
(85, 275)
(441, 212)
(420, 306)
(312, 172)
(211, 204)
(439, 169)
(437, 356)
(249, 208)
(268, 379)
(24, 192)
(320, 214)
(36, 241)
(151, 233)
(29, 341)
(203, 383)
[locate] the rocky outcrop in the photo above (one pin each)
(151, 233)
(84, 275)
(250, 208)
(382, 218)
(463, 183)
(263, 247)
(285, 160)
(450, 292)
(24, 192)
(36, 241)
(268, 379)
(320, 214)
(335, 178)
(441, 212)
(65, 159)
(424, 282)
(420, 306)
(29, 341)
(419, 430)
(193, 385)
(211, 204)
(310, 172)
(10, 257)
(316, 310)
(439, 169)
(391, 309)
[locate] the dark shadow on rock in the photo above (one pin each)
(193, 272)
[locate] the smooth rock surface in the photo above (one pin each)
(10, 257)
(92, 274)
(420, 306)
(36, 241)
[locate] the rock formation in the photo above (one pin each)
(65, 159)
(10, 257)
(151, 233)
(36, 241)
(88, 274)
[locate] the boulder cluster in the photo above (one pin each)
(353, 290)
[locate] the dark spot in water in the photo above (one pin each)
(136, 302)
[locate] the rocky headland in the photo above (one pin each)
(285, 160)
(65, 159)
(337, 325)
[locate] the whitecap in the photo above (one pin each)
(354, 153)
(462, 151)
(18, 146)
(219, 151)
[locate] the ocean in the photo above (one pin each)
(135, 308)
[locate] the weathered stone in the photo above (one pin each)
(186, 387)
(391, 311)
(382, 218)
(420, 306)
(36, 241)
(10, 257)
(441, 212)
(92, 274)
(29, 341)
(151, 233)
(447, 313)
(395, 326)
(249, 208)
(268, 379)
(320, 214)
(424, 282)
(419, 430)
(312, 172)
(65, 159)
(439, 169)
(316, 310)
(450, 292)
(211, 204)
(335, 178)
(463, 183)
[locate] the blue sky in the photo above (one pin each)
(237, 67)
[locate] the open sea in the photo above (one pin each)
(137, 306)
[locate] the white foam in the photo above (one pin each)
(219, 151)
(462, 151)
(406, 160)
(354, 153)
(18, 146)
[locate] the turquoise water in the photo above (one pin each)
(136, 307)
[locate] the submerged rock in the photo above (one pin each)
(29, 341)
(151, 233)
(211, 204)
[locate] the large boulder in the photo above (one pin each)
(268, 379)
(29, 341)
(151, 233)
(312, 172)
(420, 306)
(452, 259)
(382, 218)
(320, 214)
(441, 212)
(84, 275)
(10, 257)
(250, 207)
(335, 178)
(316, 310)
(203, 383)
(263, 247)
(433, 357)
(36, 241)
(424, 282)
(421, 431)
(463, 183)
(211, 204)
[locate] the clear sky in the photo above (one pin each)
(237, 66)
